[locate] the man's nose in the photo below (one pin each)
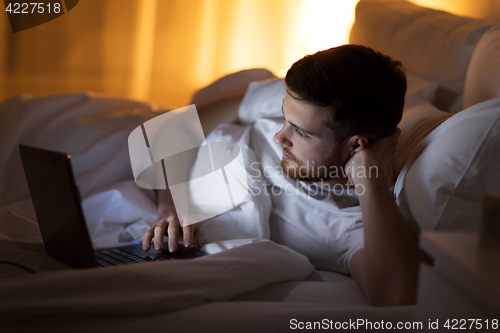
(281, 137)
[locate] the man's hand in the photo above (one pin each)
(379, 154)
(168, 221)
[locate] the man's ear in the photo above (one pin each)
(356, 143)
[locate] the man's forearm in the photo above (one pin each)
(391, 256)
(164, 200)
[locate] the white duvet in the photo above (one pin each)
(155, 287)
(91, 128)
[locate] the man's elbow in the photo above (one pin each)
(385, 286)
(406, 295)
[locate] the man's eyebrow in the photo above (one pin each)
(300, 129)
(297, 127)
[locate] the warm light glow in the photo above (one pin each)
(452, 6)
(324, 24)
(483, 9)
(144, 38)
(165, 50)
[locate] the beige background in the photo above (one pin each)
(163, 50)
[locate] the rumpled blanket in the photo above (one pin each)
(152, 287)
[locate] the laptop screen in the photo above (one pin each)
(57, 205)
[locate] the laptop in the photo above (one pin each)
(58, 209)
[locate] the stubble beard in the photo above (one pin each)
(308, 171)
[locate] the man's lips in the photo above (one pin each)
(287, 157)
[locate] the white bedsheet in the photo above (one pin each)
(119, 214)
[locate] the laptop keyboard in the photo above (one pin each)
(121, 256)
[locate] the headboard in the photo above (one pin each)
(432, 44)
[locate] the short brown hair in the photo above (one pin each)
(362, 88)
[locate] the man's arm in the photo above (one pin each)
(217, 103)
(386, 268)
(211, 115)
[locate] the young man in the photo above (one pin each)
(341, 110)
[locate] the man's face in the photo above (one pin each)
(309, 149)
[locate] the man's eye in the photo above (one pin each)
(302, 135)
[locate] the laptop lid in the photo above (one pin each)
(57, 205)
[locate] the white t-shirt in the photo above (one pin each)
(325, 225)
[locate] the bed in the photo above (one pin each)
(443, 166)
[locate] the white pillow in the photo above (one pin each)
(459, 163)
(262, 99)
(420, 117)
(230, 85)
(417, 122)
(482, 81)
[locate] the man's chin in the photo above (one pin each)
(330, 171)
(289, 169)
(294, 172)
(287, 166)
